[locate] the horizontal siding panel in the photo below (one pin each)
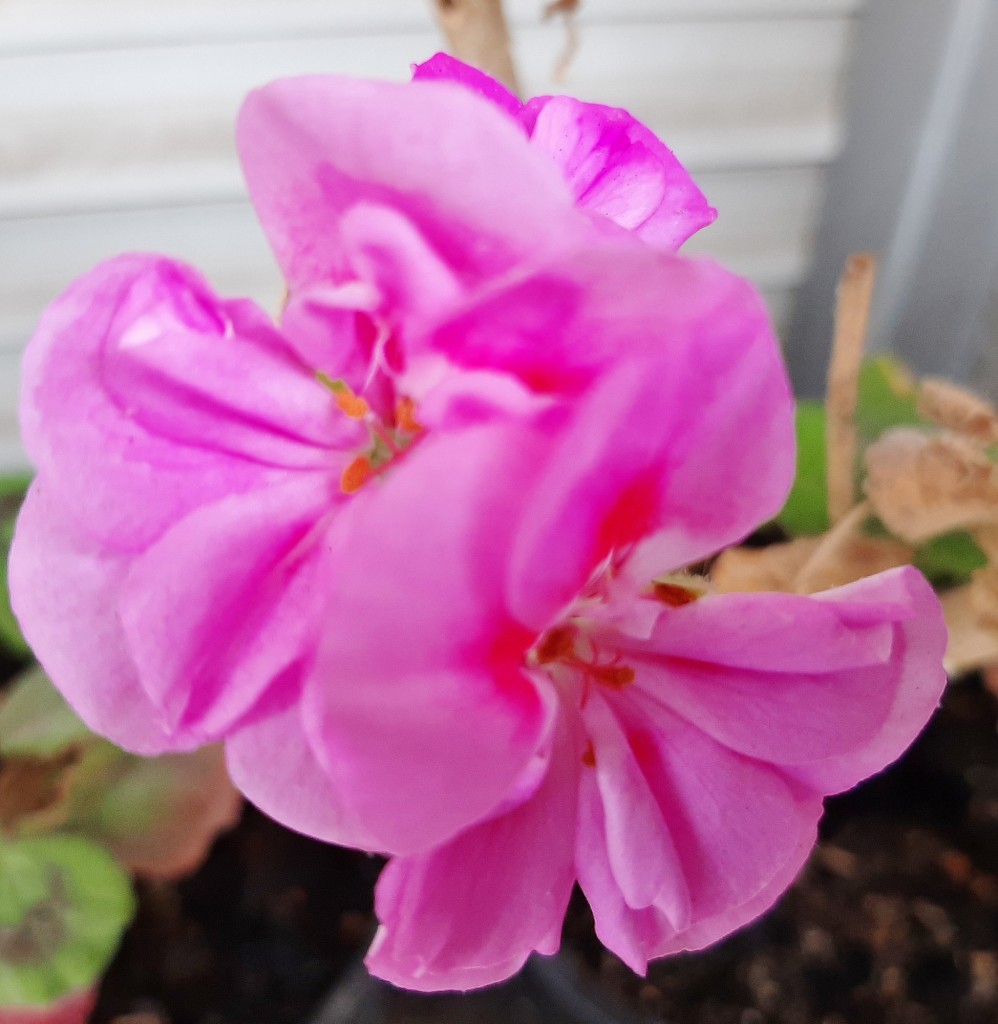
(152, 127)
(45, 25)
(766, 220)
(12, 454)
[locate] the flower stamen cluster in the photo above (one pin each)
(388, 443)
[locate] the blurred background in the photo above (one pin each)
(816, 127)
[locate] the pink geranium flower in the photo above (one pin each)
(401, 550)
(615, 166)
(690, 739)
(686, 741)
(191, 461)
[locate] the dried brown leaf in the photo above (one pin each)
(476, 32)
(34, 787)
(808, 565)
(986, 538)
(983, 590)
(958, 410)
(568, 10)
(742, 570)
(162, 815)
(851, 559)
(922, 486)
(973, 642)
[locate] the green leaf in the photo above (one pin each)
(11, 637)
(949, 560)
(35, 720)
(14, 486)
(887, 398)
(64, 904)
(806, 510)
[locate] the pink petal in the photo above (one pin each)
(443, 68)
(619, 169)
(228, 602)
(764, 632)
(915, 681)
(448, 161)
(630, 933)
(791, 684)
(138, 362)
(650, 451)
(418, 706)
(741, 832)
(64, 594)
(271, 762)
(469, 913)
(240, 391)
(735, 822)
(641, 854)
(613, 164)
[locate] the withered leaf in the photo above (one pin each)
(921, 485)
(973, 637)
(957, 409)
(807, 565)
(34, 786)
(741, 570)
(158, 816)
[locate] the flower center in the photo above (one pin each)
(566, 649)
(388, 440)
(576, 649)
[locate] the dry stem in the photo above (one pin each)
(476, 33)
(852, 315)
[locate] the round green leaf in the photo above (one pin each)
(64, 904)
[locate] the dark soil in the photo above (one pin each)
(895, 921)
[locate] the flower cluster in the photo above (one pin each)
(415, 552)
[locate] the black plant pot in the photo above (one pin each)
(547, 991)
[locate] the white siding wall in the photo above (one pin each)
(116, 123)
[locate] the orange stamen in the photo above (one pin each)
(356, 475)
(673, 595)
(405, 416)
(353, 405)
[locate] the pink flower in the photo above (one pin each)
(615, 166)
(400, 551)
(670, 753)
(690, 741)
(190, 461)
(191, 464)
